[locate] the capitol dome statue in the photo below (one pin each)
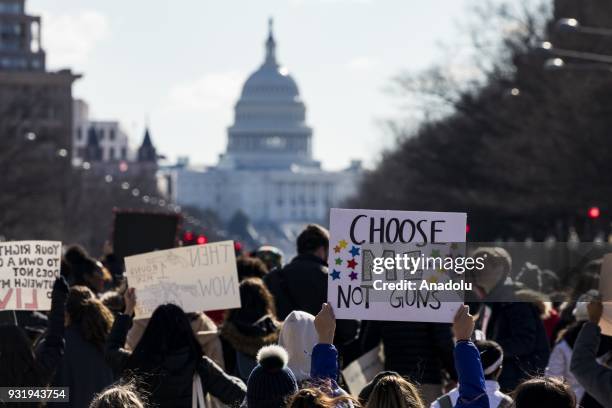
(267, 172)
(269, 129)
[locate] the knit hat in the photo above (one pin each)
(271, 382)
(298, 336)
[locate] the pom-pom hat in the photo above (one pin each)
(271, 382)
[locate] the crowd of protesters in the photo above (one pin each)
(284, 347)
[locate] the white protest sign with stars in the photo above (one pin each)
(196, 278)
(357, 237)
(27, 272)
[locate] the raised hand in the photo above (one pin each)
(463, 326)
(130, 301)
(325, 323)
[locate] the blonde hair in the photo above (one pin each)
(118, 396)
(393, 391)
(316, 398)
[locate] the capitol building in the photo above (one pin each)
(267, 171)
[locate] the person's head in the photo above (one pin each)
(551, 390)
(541, 280)
(580, 311)
(168, 332)
(497, 266)
(271, 382)
(85, 270)
(298, 336)
(271, 256)
(587, 279)
(316, 398)
(118, 396)
(18, 364)
(249, 267)
(313, 240)
(114, 301)
(491, 358)
(393, 391)
(256, 302)
(115, 267)
(92, 319)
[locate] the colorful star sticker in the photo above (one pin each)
(337, 249)
(354, 251)
(342, 244)
(351, 264)
(335, 275)
(338, 261)
(353, 276)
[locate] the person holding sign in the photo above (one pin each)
(88, 324)
(389, 389)
(302, 284)
(170, 358)
(23, 366)
(594, 377)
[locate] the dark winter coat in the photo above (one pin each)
(175, 375)
(302, 285)
(83, 369)
(242, 341)
(49, 350)
(594, 377)
(519, 330)
(419, 351)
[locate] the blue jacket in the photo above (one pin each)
(324, 362)
(472, 389)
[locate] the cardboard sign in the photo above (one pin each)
(140, 232)
(27, 272)
(361, 371)
(196, 278)
(357, 237)
(605, 290)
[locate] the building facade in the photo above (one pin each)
(32, 99)
(267, 171)
(35, 130)
(113, 141)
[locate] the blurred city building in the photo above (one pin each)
(267, 172)
(35, 130)
(32, 99)
(113, 142)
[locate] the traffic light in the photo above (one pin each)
(201, 240)
(593, 213)
(188, 238)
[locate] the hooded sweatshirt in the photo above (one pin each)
(298, 336)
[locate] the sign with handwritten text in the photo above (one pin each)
(359, 239)
(27, 272)
(196, 278)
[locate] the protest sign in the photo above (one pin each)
(605, 290)
(141, 232)
(357, 237)
(361, 371)
(27, 272)
(196, 278)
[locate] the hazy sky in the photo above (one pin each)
(182, 63)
